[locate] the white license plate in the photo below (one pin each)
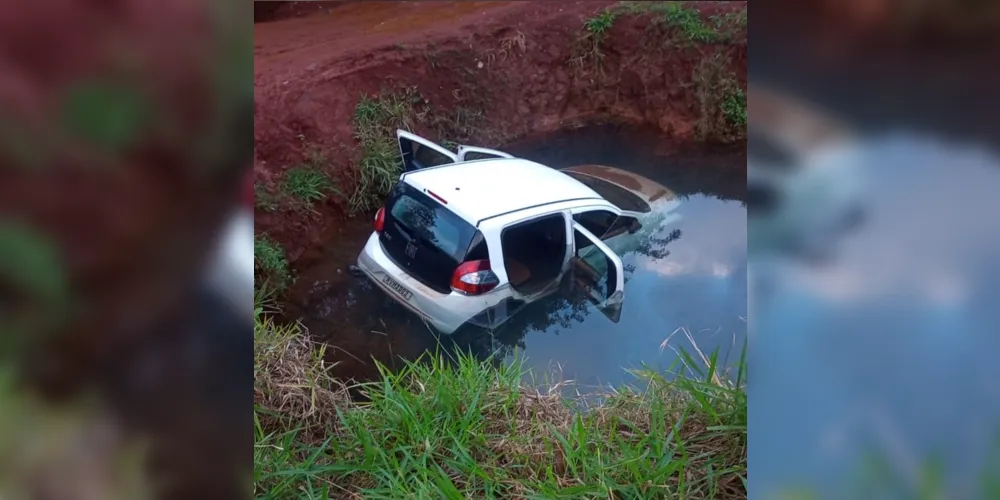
(396, 287)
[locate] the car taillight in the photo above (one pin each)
(474, 278)
(379, 220)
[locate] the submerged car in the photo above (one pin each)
(470, 237)
(805, 184)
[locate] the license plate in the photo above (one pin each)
(396, 287)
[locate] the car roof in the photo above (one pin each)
(480, 189)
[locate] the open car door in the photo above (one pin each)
(467, 153)
(419, 153)
(598, 273)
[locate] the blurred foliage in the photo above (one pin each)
(108, 115)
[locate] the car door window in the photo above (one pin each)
(418, 153)
(469, 153)
(606, 225)
(598, 222)
(598, 273)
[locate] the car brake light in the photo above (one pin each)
(379, 220)
(436, 196)
(474, 278)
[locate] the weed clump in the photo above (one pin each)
(721, 102)
(306, 185)
(589, 46)
(269, 262)
(674, 22)
(292, 386)
(688, 20)
(375, 122)
(734, 107)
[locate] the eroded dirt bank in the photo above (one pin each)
(481, 73)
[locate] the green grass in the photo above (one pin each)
(734, 106)
(687, 22)
(600, 24)
(306, 185)
(375, 122)
(269, 262)
(438, 430)
(303, 185)
(721, 101)
(466, 429)
(589, 46)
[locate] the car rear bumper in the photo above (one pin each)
(445, 312)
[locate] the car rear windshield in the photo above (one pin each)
(619, 196)
(424, 237)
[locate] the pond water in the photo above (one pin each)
(890, 352)
(881, 370)
(688, 286)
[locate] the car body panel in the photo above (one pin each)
(472, 189)
(445, 312)
(650, 191)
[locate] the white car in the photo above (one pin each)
(473, 236)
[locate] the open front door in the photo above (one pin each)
(598, 273)
(419, 153)
(467, 153)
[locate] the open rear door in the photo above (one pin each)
(599, 274)
(467, 153)
(419, 153)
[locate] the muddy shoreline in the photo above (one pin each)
(484, 73)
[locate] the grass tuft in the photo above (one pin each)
(688, 20)
(589, 46)
(601, 23)
(375, 122)
(679, 21)
(292, 387)
(306, 185)
(721, 101)
(734, 107)
(269, 262)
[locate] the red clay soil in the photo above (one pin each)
(508, 61)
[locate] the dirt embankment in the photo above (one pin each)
(480, 73)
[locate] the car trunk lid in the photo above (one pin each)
(424, 238)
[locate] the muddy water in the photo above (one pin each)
(690, 285)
